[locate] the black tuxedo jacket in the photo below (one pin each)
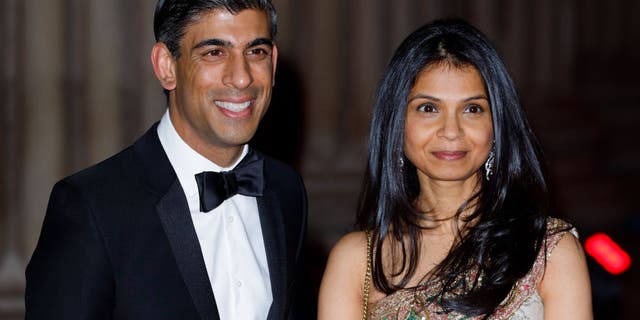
(118, 242)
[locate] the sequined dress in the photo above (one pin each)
(522, 303)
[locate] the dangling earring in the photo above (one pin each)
(489, 164)
(401, 162)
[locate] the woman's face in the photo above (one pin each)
(448, 131)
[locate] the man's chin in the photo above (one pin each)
(236, 140)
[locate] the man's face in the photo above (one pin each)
(223, 80)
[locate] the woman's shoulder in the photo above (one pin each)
(565, 288)
(559, 233)
(348, 257)
(562, 241)
(557, 225)
(341, 290)
(560, 236)
(351, 247)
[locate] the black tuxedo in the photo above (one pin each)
(118, 242)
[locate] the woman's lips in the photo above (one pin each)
(449, 155)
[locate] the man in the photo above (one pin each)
(153, 232)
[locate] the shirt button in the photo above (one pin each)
(238, 283)
(230, 219)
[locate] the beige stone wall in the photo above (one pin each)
(77, 86)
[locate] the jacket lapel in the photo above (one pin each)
(273, 233)
(176, 221)
(173, 211)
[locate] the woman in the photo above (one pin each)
(454, 200)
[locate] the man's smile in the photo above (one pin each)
(232, 106)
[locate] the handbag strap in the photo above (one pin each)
(367, 279)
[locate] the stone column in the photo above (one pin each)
(32, 141)
(105, 82)
(12, 259)
(152, 103)
(43, 131)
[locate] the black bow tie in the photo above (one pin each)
(245, 179)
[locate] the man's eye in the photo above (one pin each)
(427, 108)
(258, 52)
(214, 53)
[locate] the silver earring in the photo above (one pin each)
(489, 164)
(401, 162)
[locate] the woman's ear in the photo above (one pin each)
(163, 64)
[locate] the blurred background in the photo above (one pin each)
(77, 86)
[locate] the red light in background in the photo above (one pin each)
(607, 253)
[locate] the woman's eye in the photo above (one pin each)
(427, 108)
(474, 108)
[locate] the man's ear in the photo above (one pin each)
(274, 62)
(164, 64)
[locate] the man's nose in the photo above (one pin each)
(237, 73)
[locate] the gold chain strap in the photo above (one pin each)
(367, 279)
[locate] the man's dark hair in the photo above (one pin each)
(173, 16)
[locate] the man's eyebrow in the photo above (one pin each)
(212, 42)
(223, 43)
(260, 41)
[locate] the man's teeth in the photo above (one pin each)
(235, 107)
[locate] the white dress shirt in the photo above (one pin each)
(230, 235)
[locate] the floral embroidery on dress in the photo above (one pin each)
(523, 302)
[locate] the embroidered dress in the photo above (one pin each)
(522, 303)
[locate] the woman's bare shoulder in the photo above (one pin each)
(350, 252)
(351, 243)
(565, 287)
(343, 281)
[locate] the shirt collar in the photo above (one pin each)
(187, 162)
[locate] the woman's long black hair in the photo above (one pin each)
(508, 210)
